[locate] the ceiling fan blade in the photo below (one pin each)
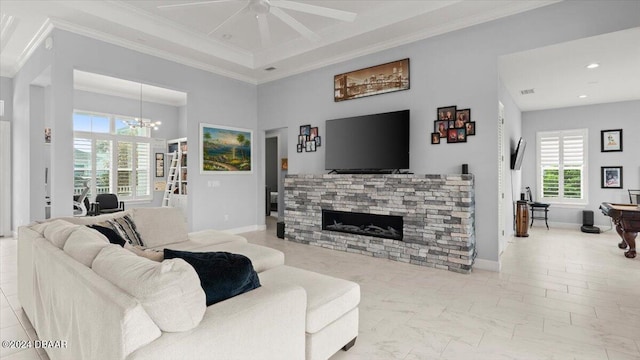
(315, 10)
(230, 18)
(295, 24)
(196, 3)
(265, 33)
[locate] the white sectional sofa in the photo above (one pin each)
(108, 303)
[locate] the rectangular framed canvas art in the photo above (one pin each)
(225, 150)
(375, 80)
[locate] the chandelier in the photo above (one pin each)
(140, 122)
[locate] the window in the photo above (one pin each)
(115, 157)
(562, 166)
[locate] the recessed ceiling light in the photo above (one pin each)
(582, 96)
(593, 65)
(270, 68)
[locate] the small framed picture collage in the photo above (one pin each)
(308, 139)
(452, 124)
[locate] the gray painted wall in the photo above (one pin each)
(25, 154)
(512, 131)
(621, 115)
(40, 160)
(212, 98)
(457, 68)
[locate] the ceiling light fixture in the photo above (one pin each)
(582, 96)
(593, 66)
(140, 122)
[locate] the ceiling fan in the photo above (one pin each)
(262, 8)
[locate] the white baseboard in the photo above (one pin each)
(245, 229)
(488, 265)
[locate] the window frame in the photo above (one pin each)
(561, 199)
(115, 138)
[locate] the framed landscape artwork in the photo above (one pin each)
(375, 80)
(225, 150)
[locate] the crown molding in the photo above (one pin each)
(413, 37)
(120, 13)
(98, 35)
(42, 33)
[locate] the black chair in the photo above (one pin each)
(107, 204)
(634, 196)
(538, 207)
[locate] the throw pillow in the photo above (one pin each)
(222, 275)
(109, 233)
(125, 227)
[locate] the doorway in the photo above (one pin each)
(276, 167)
(271, 176)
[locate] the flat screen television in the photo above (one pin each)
(368, 143)
(518, 154)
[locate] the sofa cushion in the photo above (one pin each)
(111, 235)
(328, 298)
(58, 231)
(126, 228)
(160, 226)
(222, 275)
(169, 291)
(213, 237)
(84, 245)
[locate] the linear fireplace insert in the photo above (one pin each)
(383, 226)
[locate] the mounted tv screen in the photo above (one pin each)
(368, 143)
(516, 157)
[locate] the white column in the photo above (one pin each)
(5, 178)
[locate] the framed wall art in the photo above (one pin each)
(159, 165)
(453, 124)
(611, 177)
(309, 139)
(375, 80)
(225, 150)
(447, 113)
(611, 140)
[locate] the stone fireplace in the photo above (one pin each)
(437, 215)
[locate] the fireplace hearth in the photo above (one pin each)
(382, 226)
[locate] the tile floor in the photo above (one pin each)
(561, 294)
